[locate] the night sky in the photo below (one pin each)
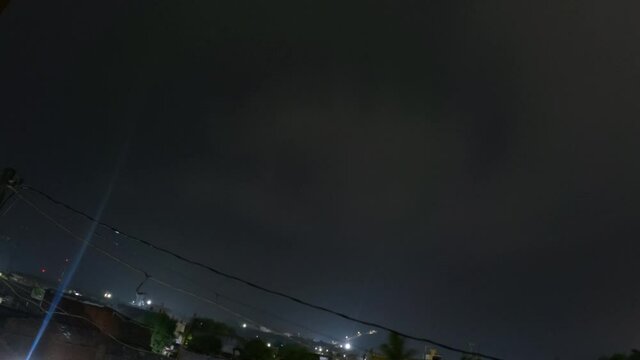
(466, 172)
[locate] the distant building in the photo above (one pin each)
(180, 331)
(88, 334)
(107, 319)
(432, 354)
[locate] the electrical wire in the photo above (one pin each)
(255, 285)
(258, 309)
(141, 271)
(5, 202)
(249, 306)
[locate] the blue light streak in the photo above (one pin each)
(65, 283)
(67, 278)
(74, 265)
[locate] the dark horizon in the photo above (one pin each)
(463, 172)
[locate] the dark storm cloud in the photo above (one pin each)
(465, 172)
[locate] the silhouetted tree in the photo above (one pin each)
(162, 327)
(635, 355)
(256, 349)
(295, 352)
(394, 349)
(470, 357)
(203, 336)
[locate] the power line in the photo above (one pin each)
(246, 305)
(6, 201)
(161, 282)
(140, 270)
(219, 295)
(148, 277)
(252, 284)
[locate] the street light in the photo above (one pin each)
(149, 302)
(107, 295)
(347, 346)
(244, 325)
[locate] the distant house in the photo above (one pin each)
(69, 338)
(105, 319)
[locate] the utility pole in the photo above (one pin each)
(8, 178)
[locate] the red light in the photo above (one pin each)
(43, 270)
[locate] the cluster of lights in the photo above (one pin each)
(107, 295)
(347, 345)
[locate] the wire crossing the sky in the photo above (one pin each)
(250, 283)
(148, 277)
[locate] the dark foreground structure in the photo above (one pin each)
(88, 337)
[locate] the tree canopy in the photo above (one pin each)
(296, 352)
(256, 349)
(162, 328)
(395, 349)
(635, 355)
(204, 336)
